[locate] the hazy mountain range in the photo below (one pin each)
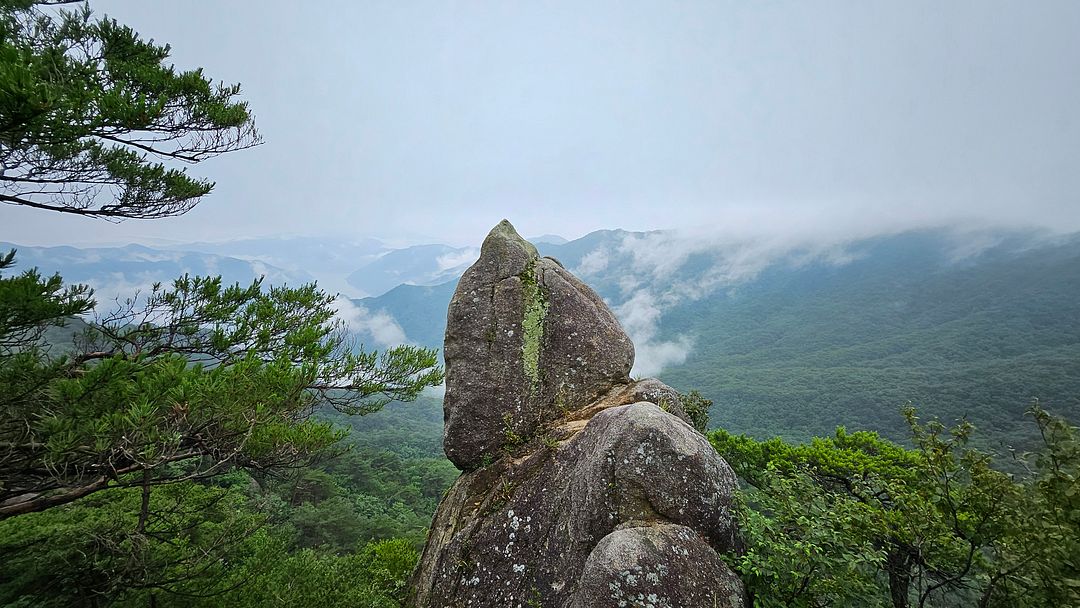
(796, 338)
(121, 271)
(791, 336)
(355, 268)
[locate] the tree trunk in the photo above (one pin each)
(898, 565)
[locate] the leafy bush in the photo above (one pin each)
(857, 520)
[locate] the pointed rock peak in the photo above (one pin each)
(504, 243)
(505, 230)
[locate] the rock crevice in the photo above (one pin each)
(580, 487)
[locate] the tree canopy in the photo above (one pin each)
(856, 520)
(95, 122)
(186, 382)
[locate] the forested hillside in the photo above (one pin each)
(810, 342)
(799, 352)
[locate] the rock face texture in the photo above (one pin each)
(525, 341)
(581, 488)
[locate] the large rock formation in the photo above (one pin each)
(525, 342)
(581, 488)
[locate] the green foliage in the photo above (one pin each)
(30, 304)
(91, 112)
(122, 460)
(805, 549)
(857, 520)
(373, 577)
(294, 539)
(97, 549)
(367, 494)
(213, 546)
(164, 459)
(214, 377)
(697, 408)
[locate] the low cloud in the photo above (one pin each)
(456, 259)
(640, 317)
(376, 327)
(272, 275)
(730, 261)
(651, 358)
(113, 290)
(146, 255)
(660, 273)
(595, 261)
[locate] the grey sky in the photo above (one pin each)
(431, 121)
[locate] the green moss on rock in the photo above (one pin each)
(536, 303)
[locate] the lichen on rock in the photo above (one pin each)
(532, 323)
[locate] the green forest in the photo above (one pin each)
(205, 444)
(344, 532)
(799, 353)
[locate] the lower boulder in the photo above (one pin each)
(656, 565)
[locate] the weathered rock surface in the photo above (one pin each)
(661, 566)
(526, 341)
(581, 487)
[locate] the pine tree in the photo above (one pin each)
(95, 122)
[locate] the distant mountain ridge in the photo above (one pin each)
(798, 338)
(120, 271)
(416, 265)
(786, 336)
(326, 260)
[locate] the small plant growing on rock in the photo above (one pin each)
(697, 408)
(513, 439)
(550, 442)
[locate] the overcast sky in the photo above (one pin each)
(430, 121)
